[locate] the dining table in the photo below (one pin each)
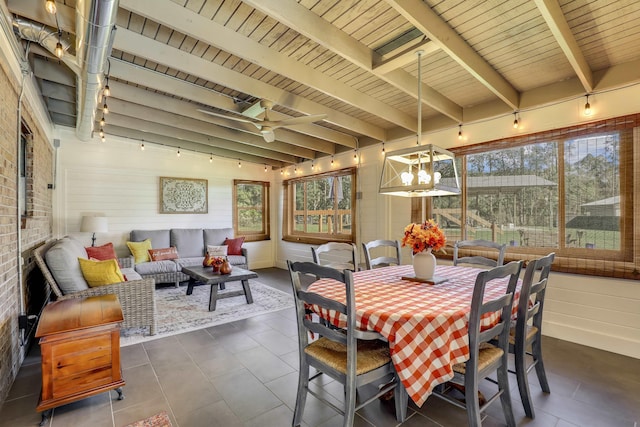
(425, 324)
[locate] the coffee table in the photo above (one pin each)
(206, 276)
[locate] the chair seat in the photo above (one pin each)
(487, 354)
(371, 354)
(531, 333)
(341, 266)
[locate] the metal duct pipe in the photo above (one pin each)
(46, 37)
(95, 24)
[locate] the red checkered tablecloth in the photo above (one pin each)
(426, 325)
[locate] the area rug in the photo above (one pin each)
(157, 420)
(177, 312)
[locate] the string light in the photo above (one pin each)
(239, 164)
(516, 125)
(211, 158)
(281, 171)
(587, 107)
(460, 131)
(383, 149)
(265, 167)
(355, 156)
(101, 133)
(312, 165)
(102, 122)
(142, 147)
(105, 108)
(178, 153)
(331, 160)
(50, 6)
(102, 138)
(106, 91)
(59, 50)
(295, 169)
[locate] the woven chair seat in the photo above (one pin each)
(371, 354)
(487, 354)
(531, 333)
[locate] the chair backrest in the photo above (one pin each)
(381, 261)
(338, 255)
(534, 284)
(503, 304)
(302, 272)
(479, 260)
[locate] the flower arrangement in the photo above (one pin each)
(421, 237)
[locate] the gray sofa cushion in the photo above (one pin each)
(157, 267)
(189, 262)
(188, 241)
(130, 274)
(159, 238)
(62, 260)
(216, 236)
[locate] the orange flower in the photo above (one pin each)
(424, 236)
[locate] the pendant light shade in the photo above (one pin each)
(421, 170)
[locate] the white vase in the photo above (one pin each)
(424, 264)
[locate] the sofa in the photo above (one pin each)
(58, 261)
(191, 245)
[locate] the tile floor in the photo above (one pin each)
(244, 374)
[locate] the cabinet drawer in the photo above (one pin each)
(84, 354)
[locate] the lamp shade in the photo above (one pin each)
(94, 224)
(425, 170)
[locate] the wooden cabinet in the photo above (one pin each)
(80, 346)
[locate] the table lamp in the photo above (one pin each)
(94, 224)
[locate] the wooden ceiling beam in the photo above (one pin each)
(161, 53)
(307, 23)
(421, 16)
(557, 23)
(183, 89)
(190, 23)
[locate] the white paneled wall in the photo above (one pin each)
(118, 180)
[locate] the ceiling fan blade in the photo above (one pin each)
(224, 116)
(296, 121)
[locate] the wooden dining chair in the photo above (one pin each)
(350, 356)
(486, 358)
(486, 245)
(384, 260)
(338, 255)
(527, 332)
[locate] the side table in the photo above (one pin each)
(80, 346)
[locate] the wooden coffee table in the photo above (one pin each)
(206, 276)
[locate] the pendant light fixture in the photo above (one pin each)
(50, 6)
(587, 107)
(434, 167)
(516, 124)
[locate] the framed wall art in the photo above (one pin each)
(183, 195)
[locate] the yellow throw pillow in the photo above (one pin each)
(140, 251)
(100, 273)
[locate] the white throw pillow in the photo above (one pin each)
(217, 250)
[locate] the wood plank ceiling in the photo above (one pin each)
(352, 60)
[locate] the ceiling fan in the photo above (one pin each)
(266, 126)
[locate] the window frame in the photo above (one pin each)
(600, 262)
(290, 234)
(265, 233)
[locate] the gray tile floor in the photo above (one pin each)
(245, 374)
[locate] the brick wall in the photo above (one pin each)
(36, 226)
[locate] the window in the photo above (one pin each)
(320, 208)
(251, 209)
(565, 191)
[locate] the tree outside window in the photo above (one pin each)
(251, 209)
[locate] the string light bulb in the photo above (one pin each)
(383, 149)
(59, 51)
(295, 169)
(239, 164)
(331, 160)
(587, 107)
(281, 171)
(516, 125)
(178, 152)
(101, 133)
(460, 131)
(106, 91)
(102, 138)
(312, 165)
(50, 6)
(211, 159)
(102, 122)
(105, 109)
(265, 167)
(142, 147)
(355, 156)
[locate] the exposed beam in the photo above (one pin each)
(553, 15)
(404, 56)
(136, 134)
(418, 13)
(57, 91)
(211, 141)
(175, 118)
(309, 24)
(161, 53)
(180, 88)
(210, 32)
(53, 72)
(35, 11)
